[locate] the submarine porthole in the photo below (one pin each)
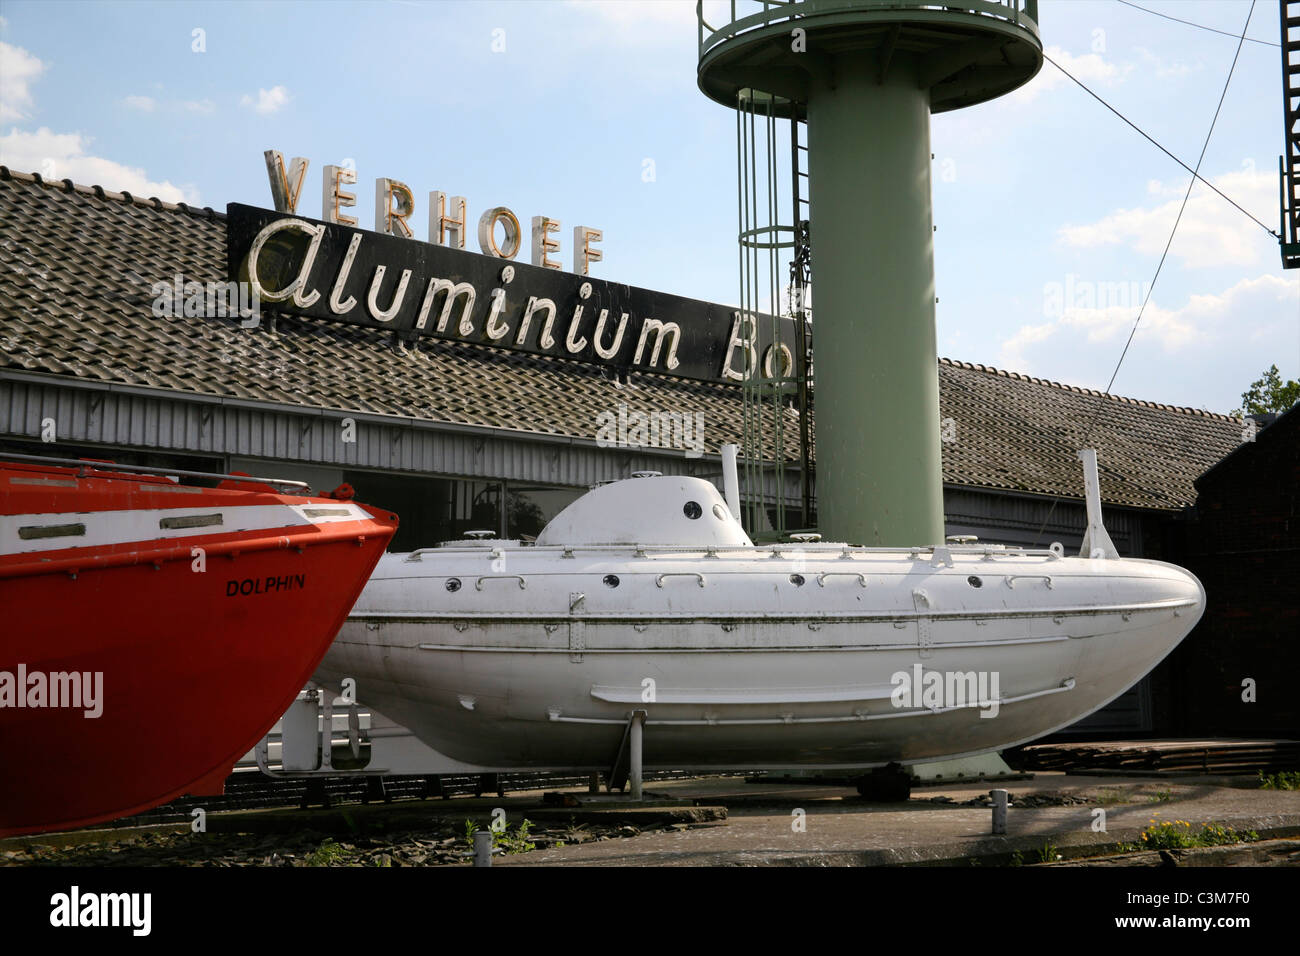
(611, 580)
(974, 582)
(720, 513)
(692, 509)
(797, 580)
(453, 584)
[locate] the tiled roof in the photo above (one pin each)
(1020, 433)
(77, 266)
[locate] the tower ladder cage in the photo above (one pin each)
(775, 281)
(1289, 164)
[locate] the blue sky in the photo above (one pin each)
(553, 107)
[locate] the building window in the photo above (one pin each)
(530, 507)
(430, 510)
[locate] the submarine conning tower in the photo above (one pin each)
(865, 75)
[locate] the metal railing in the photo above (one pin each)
(100, 468)
(1020, 12)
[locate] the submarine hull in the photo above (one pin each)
(753, 658)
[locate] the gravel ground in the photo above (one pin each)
(436, 846)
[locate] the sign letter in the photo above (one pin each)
(743, 341)
(440, 224)
(394, 204)
(543, 244)
(583, 254)
(487, 229)
(285, 187)
(335, 197)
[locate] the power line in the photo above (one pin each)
(1199, 26)
(1148, 138)
(1101, 399)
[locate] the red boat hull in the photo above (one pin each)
(193, 665)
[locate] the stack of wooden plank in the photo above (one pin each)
(1225, 756)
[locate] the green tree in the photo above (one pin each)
(1268, 394)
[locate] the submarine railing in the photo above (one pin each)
(1066, 685)
(778, 549)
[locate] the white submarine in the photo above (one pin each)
(644, 618)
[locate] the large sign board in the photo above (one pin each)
(330, 271)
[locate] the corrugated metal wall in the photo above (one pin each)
(1009, 518)
(115, 416)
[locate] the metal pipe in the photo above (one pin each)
(730, 480)
(635, 754)
(1096, 541)
(483, 848)
(999, 810)
(326, 730)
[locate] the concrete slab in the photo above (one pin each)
(771, 824)
(725, 821)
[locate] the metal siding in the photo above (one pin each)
(205, 426)
(120, 418)
(1002, 516)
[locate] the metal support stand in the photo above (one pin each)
(627, 762)
(593, 784)
(375, 790)
(999, 810)
(315, 793)
(489, 783)
(483, 848)
(326, 731)
(634, 759)
(889, 784)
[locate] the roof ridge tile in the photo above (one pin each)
(1080, 390)
(99, 192)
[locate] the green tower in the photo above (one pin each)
(864, 76)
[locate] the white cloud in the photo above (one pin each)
(147, 104)
(1013, 356)
(58, 156)
(63, 156)
(1224, 337)
(267, 101)
(1164, 68)
(1171, 330)
(17, 69)
(1092, 69)
(1211, 233)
